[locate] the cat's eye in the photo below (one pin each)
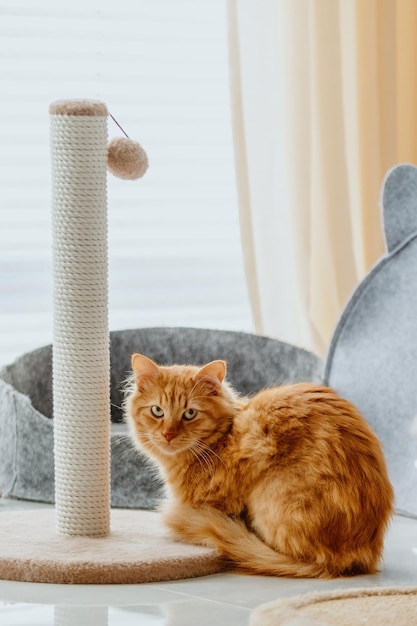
(157, 411)
(189, 414)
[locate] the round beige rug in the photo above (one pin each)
(386, 606)
(137, 550)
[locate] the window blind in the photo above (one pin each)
(174, 247)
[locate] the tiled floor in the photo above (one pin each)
(223, 599)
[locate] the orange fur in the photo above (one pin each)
(291, 482)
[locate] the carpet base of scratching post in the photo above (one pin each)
(138, 550)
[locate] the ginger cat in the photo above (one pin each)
(291, 482)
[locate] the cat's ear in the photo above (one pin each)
(211, 376)
(144, 369)
(215, 369)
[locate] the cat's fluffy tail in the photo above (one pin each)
(236, 542)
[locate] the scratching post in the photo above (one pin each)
(81, 379)
(74, 543)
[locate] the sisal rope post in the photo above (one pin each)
(81, 363)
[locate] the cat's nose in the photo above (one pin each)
(170, 435)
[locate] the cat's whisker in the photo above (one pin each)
(128, 454)
(124, 437)
(147, 442)
(205, 462)
(196, 456)
(209, 450)
(204, 454)
(201, 455)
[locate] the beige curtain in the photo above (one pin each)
(324, 102)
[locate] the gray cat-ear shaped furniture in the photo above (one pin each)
(26, 424)
(372, 360)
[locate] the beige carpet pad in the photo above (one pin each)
(137, 550)
(352, 607)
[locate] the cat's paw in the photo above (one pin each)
(184, 523)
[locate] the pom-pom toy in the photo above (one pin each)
(126, 158)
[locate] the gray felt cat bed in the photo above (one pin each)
(26, 425)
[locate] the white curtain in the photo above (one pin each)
(323, 97)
